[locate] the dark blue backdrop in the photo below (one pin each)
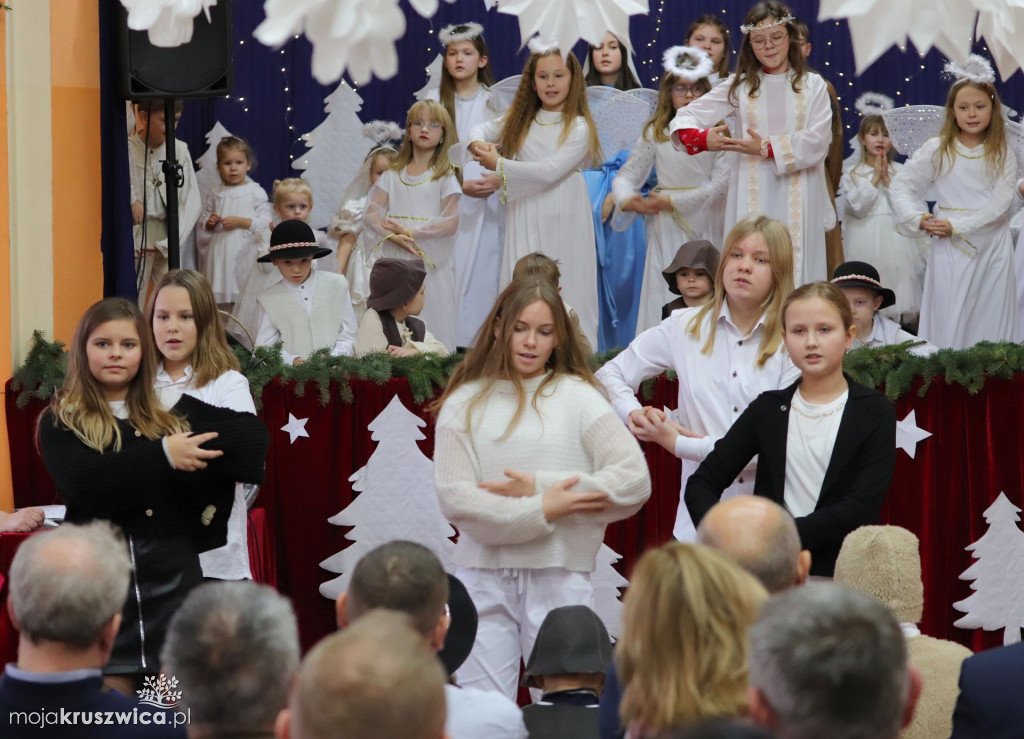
(275, 99)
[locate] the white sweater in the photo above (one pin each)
(572, 431)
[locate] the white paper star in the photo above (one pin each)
(567, 21)
(908, 434)
(296, 427)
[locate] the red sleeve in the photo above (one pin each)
(771, 152)
(694, 140)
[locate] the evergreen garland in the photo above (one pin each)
(892, 367)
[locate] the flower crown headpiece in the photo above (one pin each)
(873, 103)
(382, 132)
(537, 45)
(459, 32)
(977, 69)
(767, 23)
(688, 63)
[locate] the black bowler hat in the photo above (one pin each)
(291, 240)
(862, 274)
(458, 642)
(571, 639)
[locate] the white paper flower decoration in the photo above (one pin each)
(354, 36)
(873, 103)
(167, 22)
(564, 22)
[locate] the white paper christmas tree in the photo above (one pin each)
(608, 584)
(397, 498)
(433, 78)
(998, 575)
(336, 151)
(206, 166)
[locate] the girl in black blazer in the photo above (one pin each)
(826, 445)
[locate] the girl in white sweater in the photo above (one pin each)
(531, 463)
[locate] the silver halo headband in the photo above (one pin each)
(537, 45)
(873, 103)
(688, 63)
(861, 278)
(766, 23)
(460, 32)
(977, 69)
(380, 132)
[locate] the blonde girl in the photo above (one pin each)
(539, 148)
(710, 34)
(464, 92)
(412, 211)
(684, 650)
(825, 445)
(195, 360)
(688, 202)
(970, 290)
(531, 464)
(725, 353)
(783, 131)
(116, 454)
(869, 233)
(235, 213)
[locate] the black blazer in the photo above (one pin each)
(989, 705)
(856, 481)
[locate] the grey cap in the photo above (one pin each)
(571, 639)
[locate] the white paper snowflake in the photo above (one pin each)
(168, 22)
(564, 22)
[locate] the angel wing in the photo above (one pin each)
(1015, 142)
(911, 126)
(503, 93)
(647, 95)
(619, 117)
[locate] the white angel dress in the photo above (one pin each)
(227, 256)
(429, 208)
(870, 235)
(790, 186)
(970, 290)
(696, 185)
(349, 219)
(481, 235)
(549, 209)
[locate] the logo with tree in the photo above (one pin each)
(160, 692)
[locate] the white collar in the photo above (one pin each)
(164, 379)
(726, 315)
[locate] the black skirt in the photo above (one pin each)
(164, 570)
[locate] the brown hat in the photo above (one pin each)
(394, 282)
(698, 254)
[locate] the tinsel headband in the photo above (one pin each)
(381, 132)
(873, 103)
(767, 23)
(688, 63)
(460, 32)
(977, 69)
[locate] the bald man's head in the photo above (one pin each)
(761, 536)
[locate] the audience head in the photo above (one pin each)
(399, 576)
(572, 650)
(682, 656)
(829, 661)
(885, 563)
(761, 537)
(375, 678)
(68, 586)
(234, 649)
(719, 728)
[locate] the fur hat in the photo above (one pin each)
(885, 563)
(394, 282)
(291, 240)
(698, 254)
(862, 274)
(571, 639)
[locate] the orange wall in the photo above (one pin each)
(75, 101)
(6, 492)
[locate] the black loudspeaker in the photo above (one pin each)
(200, 68)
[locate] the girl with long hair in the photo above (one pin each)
(531, 464)
(710, 34)
(195, 360)
(115, 453)
(539, 148)
(784, 128)
(970, 289)
(725, 353)
(412, 211)
(687, 203)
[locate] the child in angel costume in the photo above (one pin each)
(355, 258)
(412, 211)
(869, 233)
(970, 290)
(688, 202)
(464, 91)
(784, 110)
(546, 138)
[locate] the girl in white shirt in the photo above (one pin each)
(530, 464)
(196, 361)
(725, 353)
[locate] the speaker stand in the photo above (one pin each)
(173, 179)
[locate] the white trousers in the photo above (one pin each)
(512, 604)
